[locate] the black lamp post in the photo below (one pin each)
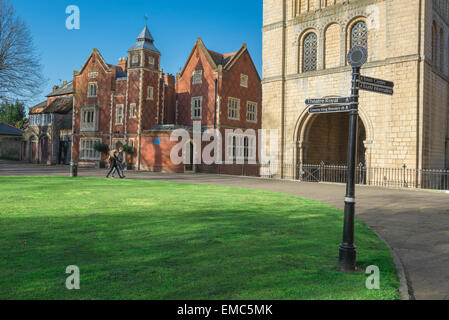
(347, 255)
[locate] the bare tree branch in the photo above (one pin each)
(20, 69)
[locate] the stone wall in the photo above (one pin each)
(10, 148)
(409, 127)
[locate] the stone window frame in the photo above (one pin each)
(92, 125)
(249, 147)
(302, 37)
(89, 91)
(135, 59)
(88, 112)
(119, 115)
(151, 61)
(196, 109)
(197, 77)
(233, 110)
(241, 146)
(349, 28)
(97, 155)
(131, 142)
(133, 110)
(325, 40)
(248, 113)
(150, 93)
(434, 44)
(244, 80)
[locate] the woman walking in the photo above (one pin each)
(113, 164)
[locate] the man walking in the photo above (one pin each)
(114, 165)
(120, 163)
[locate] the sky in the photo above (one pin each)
(112, 27)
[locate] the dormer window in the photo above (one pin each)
(197, 77)
(92, 91)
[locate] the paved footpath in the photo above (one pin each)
(414, 223)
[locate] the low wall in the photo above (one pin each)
(10, 148)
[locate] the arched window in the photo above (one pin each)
(359, 35)
(309, 52)
(434, 45)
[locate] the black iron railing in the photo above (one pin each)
(384, 177)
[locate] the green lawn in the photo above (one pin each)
(159, 240)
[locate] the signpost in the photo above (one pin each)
(328, 101)
(356, 58)
(330, 109)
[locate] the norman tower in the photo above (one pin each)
(305, 43)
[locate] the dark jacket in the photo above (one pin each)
(119, 157)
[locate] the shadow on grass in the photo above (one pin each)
(177, 241)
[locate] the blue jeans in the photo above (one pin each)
(120, 166)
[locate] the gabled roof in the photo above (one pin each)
(221, 59)
(216, 59)
(145, 41)
(61, 105)
(100, 58)
(8, 130)
(64, 90)
(38, 108)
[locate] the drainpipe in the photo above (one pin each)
(419, 108)
(215, 106)
(284, 22)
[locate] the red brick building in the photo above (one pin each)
(136, 104)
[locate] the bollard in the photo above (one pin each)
(73, 169)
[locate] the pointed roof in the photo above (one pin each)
(145, 41)
(215, 59)
(96, 53)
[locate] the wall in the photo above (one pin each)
(10, 147)
(393, 124)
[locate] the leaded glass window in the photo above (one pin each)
(309, 59)
(359, 35)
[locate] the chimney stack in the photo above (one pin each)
(169, 80)
(123, 63)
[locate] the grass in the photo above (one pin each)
(159, 240)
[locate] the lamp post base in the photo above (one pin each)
(347, 258)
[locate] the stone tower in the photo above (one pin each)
(305, 43)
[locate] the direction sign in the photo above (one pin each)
(374, 88)
(329, 101)
(375, 81)
(330, 109)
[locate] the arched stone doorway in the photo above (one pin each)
(33, 149)
(44, 150)
(325, 140)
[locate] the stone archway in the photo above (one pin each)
(325, 140)
(45, 150)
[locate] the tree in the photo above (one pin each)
(20, 69)
(13, 114)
